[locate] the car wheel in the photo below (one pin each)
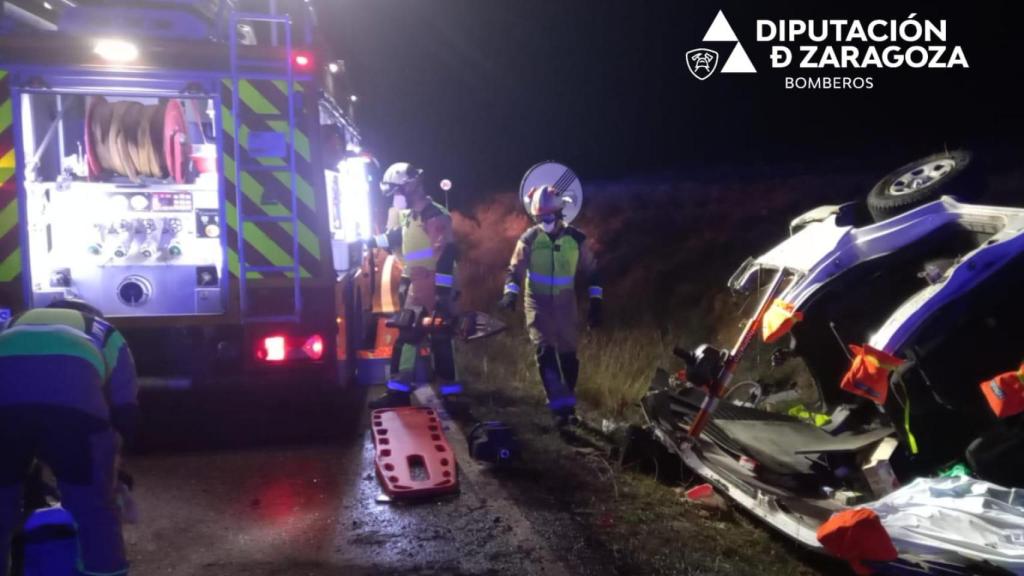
(945, 174)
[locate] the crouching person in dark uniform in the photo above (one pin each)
(68, 396)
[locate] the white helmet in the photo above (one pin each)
(397, 175)
(546, 200)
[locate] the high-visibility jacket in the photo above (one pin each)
(51, 356)
(427, 252)
(549, 264)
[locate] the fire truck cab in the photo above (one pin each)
(191, 168)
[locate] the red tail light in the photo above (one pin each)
(274, 349)
(302, 60)
(314, 347)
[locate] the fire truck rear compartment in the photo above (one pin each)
(123, 204)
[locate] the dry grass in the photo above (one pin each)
(666, 249)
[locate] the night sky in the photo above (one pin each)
(479, 90)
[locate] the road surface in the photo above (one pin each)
(218, 496)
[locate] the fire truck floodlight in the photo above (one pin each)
(115, 50)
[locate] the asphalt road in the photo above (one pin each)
(220, 493)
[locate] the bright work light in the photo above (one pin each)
(114, 50)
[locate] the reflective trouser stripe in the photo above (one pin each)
(452, 388)
(512, 288)
(399, 386)
(562, 403)
(443, 280)
(596, 292)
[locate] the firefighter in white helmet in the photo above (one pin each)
(550, 255)
(423, 237)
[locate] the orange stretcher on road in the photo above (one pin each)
(413, 457)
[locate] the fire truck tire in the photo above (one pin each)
(954, 173)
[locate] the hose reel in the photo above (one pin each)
(136, 140)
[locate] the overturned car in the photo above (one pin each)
(906, 327)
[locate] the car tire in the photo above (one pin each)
(954, 173)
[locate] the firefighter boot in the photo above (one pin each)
(454, 401)
(570, 366)
(561, 400)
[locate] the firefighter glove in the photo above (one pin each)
(594, 315)
(508, 301)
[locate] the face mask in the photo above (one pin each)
(399, 202)
(549, 227)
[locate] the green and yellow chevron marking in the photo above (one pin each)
(303, 190)
(10, 251)
(267, 243)
(283, 86)
(254, 191)
(235, 270)
(8, 216)
(280, 126)
(6, 115)
(255, 100)
(301, 141)
(11, 266)
(256, 239)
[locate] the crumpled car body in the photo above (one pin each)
(932, 302)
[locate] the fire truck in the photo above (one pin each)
(192, 169)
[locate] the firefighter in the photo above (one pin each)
(550, 254)
(68, 397)
(424, 239)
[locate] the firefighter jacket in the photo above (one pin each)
(427, 253)
(550, 263)
(62, 357)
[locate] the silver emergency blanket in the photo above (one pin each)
(945, 517)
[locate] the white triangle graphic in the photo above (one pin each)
(720, 31)
(738, 62)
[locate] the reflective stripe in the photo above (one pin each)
(444, 280)
(562, 403)
(423, 254)
(387, 297)
(39, 340)
(453, 388)
(382, 241)
(551, 280)
(596, 292)
(512, 288)
(399, 386)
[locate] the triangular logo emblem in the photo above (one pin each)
(738, 62)
(720, 31)
(702, 62)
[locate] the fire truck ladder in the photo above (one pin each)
(263, 69)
